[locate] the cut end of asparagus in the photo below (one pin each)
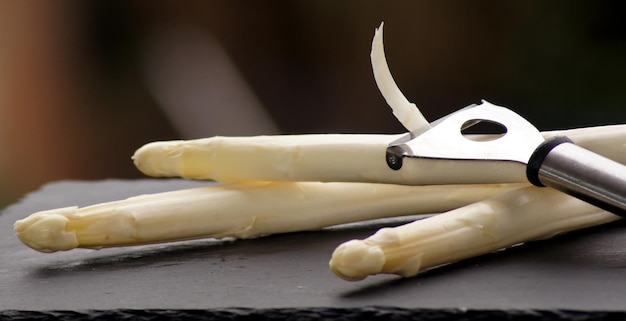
(159, 159)
(354, 260)
(46, 232)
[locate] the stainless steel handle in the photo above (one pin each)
(560, 164)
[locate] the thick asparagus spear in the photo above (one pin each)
(239, 210)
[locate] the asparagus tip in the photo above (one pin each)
(159, 158)
(45, 231)
(356, 259)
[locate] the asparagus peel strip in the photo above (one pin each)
(405, 111)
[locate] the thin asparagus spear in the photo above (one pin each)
(240, 210)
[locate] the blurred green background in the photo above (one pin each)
(85, 83)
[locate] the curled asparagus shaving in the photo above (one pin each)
(406, 112)
(501, 221)
(240, 210)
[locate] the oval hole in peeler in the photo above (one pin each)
(482, 130)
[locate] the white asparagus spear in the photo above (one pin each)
(499, 222)
(337, 157)
(240, 210)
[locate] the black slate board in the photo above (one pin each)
(579, 274)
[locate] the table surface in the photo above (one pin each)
(580, 271)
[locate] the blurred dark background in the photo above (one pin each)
(85, 83)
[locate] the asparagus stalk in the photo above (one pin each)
(337, 157)
(240, 210)
(499, 222)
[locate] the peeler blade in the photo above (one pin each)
(447, 140)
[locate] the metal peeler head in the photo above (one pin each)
(447, 138)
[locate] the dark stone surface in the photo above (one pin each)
(578, 275)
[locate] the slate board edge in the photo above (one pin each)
(320, 313)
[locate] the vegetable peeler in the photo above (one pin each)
(556, 162)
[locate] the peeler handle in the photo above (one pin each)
(560, 164)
